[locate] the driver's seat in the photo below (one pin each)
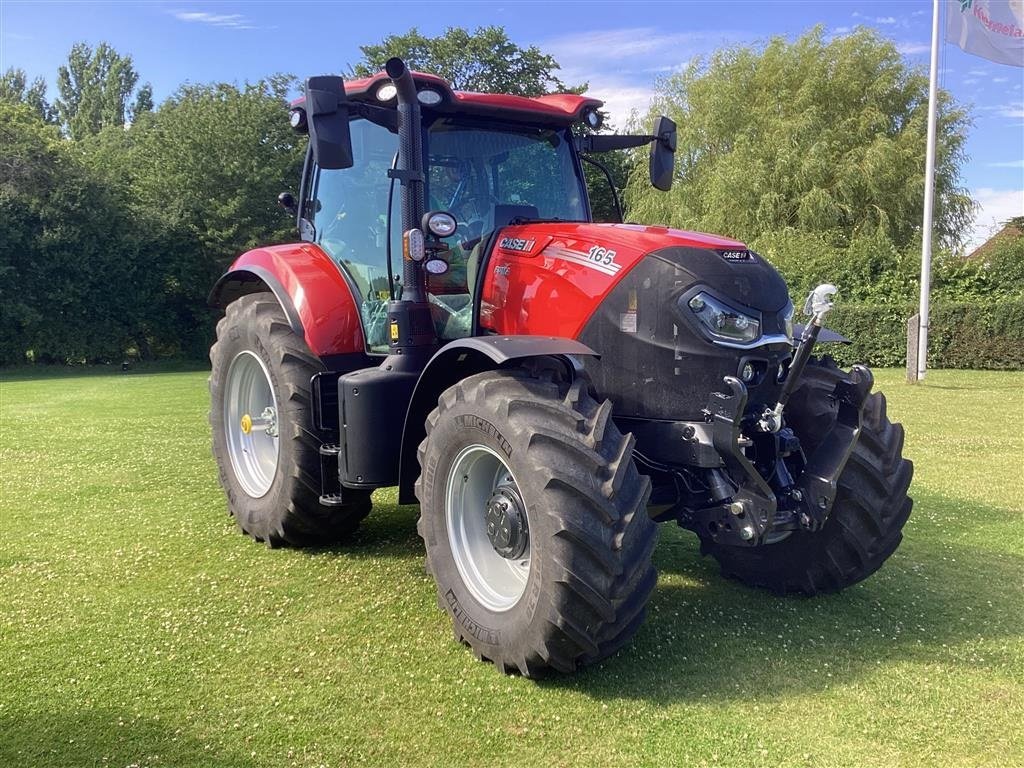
(504, 214)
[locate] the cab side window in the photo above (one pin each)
(348, 209)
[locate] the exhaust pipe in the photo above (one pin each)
(409, 172)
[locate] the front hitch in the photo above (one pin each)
(744, 504)
(745, 508)
(747, 513)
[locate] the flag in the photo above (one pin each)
(992, 29)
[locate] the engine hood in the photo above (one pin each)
(549, 277)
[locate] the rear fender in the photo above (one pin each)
(458, 360)
(313, 292)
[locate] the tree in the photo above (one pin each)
(95, 88)
(66, 283)
(202, 172)
(143, 101)
(822, 140)
(484, 60)
(15, 89)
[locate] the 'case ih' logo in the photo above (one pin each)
(515, 244)
(737, 255)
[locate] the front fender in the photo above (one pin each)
(456, 361)
(311, 289)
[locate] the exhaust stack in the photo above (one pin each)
(411, 327)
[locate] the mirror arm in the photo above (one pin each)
(609, 143)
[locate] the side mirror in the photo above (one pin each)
(287, 201)
(327, 115)
(663, 153)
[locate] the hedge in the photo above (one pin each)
(981, 335)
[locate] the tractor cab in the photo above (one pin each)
(489, 160)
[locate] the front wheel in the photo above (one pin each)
(866, 523)
(534, 520)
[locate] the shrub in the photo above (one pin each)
(979, 334)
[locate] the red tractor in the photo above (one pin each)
(546, 388)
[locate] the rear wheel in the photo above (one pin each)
(534, 520)
(866, 523)
(268, 457)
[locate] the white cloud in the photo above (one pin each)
(1000, 79)
(597, 46)
(232, 20)
(621, 98)
(909, 49)
(996, 206)
(886, 20)
(1015, 110)
(971, 81)
(1008, 164)
(622, 66)
(978, 72)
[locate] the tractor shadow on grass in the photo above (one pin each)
(389, 532)
(709, 638)
(104, 738)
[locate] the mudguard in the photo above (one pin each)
(315, 296)
(454, 362)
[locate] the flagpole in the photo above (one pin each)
(929, 199)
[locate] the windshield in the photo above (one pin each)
(480, 172)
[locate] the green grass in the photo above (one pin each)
(137, 627)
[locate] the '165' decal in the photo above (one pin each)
(596, 257)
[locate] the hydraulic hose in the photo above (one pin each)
(819, 304)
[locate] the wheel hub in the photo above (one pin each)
(506, 523)
(266, 422)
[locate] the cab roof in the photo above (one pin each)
(562, 109)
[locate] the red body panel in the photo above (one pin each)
(563, 107)
(549, 281)
(330, 317)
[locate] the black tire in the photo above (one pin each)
(590, 573)
(290, 511)
(866, 523)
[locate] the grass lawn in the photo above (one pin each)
(137, 627)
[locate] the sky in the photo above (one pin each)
(620, 48)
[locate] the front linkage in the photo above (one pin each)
(754, 498)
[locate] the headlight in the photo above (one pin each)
(787, 320)
(722, 322)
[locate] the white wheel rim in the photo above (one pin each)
(497, 582)
(250, 421)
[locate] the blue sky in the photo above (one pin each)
(620, 48)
